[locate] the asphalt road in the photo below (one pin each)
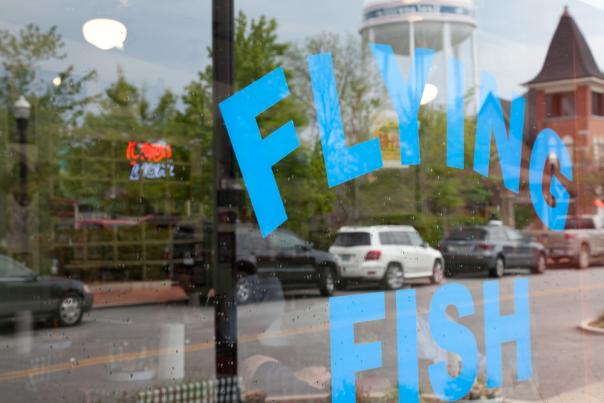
(117, 352)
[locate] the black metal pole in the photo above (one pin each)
(226, 195)
(23, 169)
(23, 197)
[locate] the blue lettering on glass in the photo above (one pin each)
(406, 341)
(347, 358)
(405, 95)
(345, 163)
(455, 115)
(454, 338)
(512, 328)
(256, 156)
(548, 145)
(342, 163)
(490, 119)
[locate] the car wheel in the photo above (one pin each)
(243, 290)
(438, 273)
(327, 282)
(499, 268)
(394, 277)
(70, 310)
(540, 265)
(583, 260)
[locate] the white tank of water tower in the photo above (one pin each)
(447, 26)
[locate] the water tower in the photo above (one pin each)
(447, 26)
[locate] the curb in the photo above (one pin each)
(586, 327)
(502, 399)
(129, 285)
(132, 294)
(137, 304)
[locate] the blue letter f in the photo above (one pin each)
(256, 156)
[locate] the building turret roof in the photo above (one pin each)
(569, 55)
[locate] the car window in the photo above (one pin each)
(250, 240)
(467, 234)
(416, 239)
(514, 235)
(12, 269)
(498, 235)
(284, 240)
(580, 223)
(395, 238)
(350, 239)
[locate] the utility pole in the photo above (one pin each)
(227, 195)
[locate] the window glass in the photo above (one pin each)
(350, 239)
(580, 223)
(498, 235)
(597, 104)
(284, 240)
(416, 240)
(467, 234)
(166, 167)
(514, 235)
(395, 238)
(11, 269)
(560, 105)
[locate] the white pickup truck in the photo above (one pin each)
(580, 243)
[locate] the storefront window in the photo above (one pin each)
(301, 201)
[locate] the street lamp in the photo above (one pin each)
(22, 112)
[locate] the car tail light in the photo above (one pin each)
(568, 237)
(373, 255)
(485, 247)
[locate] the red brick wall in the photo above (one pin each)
(582, 128)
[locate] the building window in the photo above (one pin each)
(561, 104)
(570, 145)
(597, 103)
(599, 152)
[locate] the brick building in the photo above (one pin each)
(568, 96)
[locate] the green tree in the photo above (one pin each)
(257, 52)
(360, 97)
(56, 109)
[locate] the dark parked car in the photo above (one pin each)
(282, 255)
(187, 258)
(45, 297)
(491, 248)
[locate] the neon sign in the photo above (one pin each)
(149, 160)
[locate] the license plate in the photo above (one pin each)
(460, 249)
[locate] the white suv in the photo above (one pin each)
(390, 254)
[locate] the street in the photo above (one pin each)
(118, 352)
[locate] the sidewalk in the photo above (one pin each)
(593, 393)
(136, 293)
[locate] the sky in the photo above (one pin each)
(167, 40)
